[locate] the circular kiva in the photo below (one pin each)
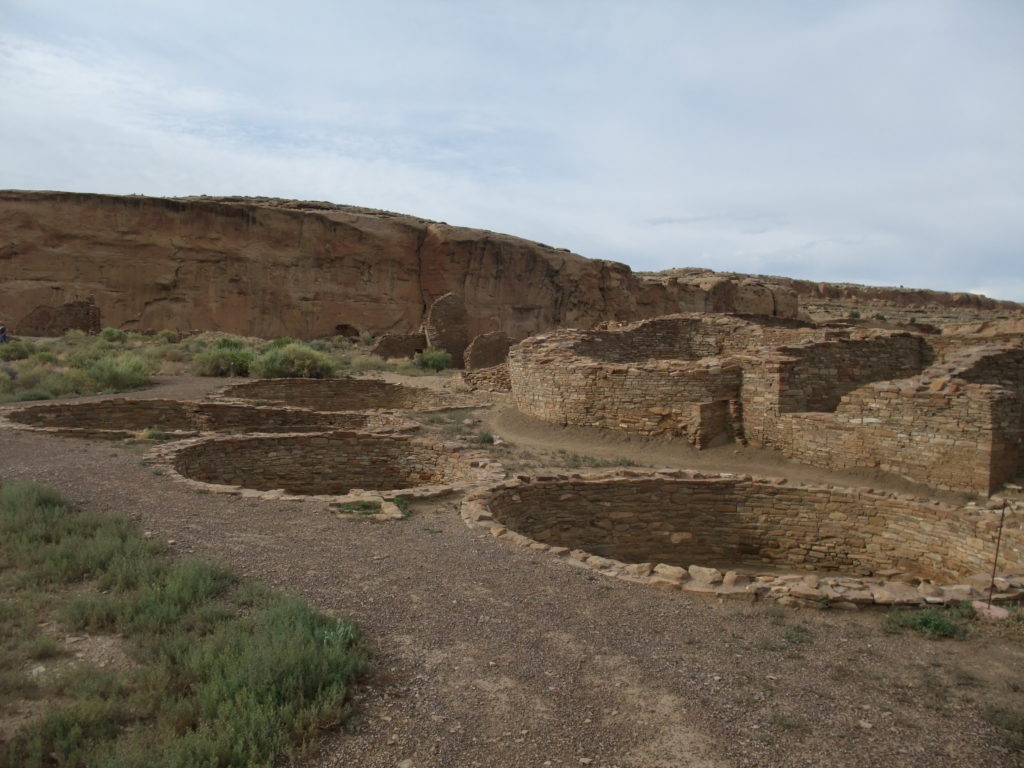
(737, 536)
(346, 395)
(118, 417)
(329, 464)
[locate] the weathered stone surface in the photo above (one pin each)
(446, 327)
(399, 345)
(671, 571)
(705, 575)
(493, 379)
(54, 321)
(269, 267)
(487, 350)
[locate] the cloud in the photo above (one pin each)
(868, 141)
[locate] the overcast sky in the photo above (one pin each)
(873, 142)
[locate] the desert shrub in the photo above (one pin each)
(434, 359)
(230, 342)
(114, 335)
(32, 393)
(284, 341)
(17, 350)
(116, 374)
(226, 673)
(483, 437)
(167, 336)
(86, 354)
(223, 361)
(292, 361)
(933, 623)
(46, 358)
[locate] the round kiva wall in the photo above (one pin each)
(346, 395)
(683, 519)
(121, 416)
(331, 464)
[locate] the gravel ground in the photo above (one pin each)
(491, 655)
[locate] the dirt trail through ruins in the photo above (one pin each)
(490, 655)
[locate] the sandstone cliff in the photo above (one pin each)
(269, 267)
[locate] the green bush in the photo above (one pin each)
(292, 361)
(284, 341)
(230, 342)
(88, 353)
(222, 361)
(933, 623)
(114, 335)
(167, 336)
(434, 359)
(226, 673)
(33, 393)
(116, 374)
(17, 350)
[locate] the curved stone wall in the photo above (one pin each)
(346, 394)
(675, 520)
(328, 464)
(118, 417)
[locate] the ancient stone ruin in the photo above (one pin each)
(736, 536)
(121, 417)
(346, 395)
(828, 396)
(328, 464)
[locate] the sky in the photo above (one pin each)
(844, 141)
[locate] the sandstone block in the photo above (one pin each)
(704, 575)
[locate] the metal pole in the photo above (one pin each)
(995, 560)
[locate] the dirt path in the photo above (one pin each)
(490, 655)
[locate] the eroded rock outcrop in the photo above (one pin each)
(270, 267)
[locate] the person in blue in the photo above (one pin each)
(3, 334)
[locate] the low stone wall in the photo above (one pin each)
(119, 417)
(346, 395)
(327, 464)
(493, 379)
(681, 528)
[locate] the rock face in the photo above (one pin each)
(446, 326)
(271, 268)
(54, 321)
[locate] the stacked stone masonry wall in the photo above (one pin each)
(813, 377)
(493, 379)
(329, 464)
(737, 521)
(346, 394)
(393, 346)
(837, 398)
(122, 416)
(935, 428)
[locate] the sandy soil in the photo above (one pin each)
(490, 655)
